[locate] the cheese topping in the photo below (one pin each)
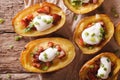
(48, 55)
(43, 22)
(93, 35)
(105, 68)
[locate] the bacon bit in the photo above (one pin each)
(38, 65)
(94, 1)
(35, 60)
(62, 54)
(47, 64)
(81, 43)
(36, 56)
(50, 44)
(56, 18)
(58, 47)
(29, 17)
(24, 23)
(93, 70)
(91, 76)
(44, 9)
(40, 50)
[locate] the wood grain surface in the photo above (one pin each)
(10, 67)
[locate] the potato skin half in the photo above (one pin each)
(117, 34)
(84, 23)
(83, 9)
(113, 58)
(19, 29)
(65, 44)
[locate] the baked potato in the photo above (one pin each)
(82, 6)
(117, 34)
(89, 69)
(92, 33)
(48, 17)
(41, 56)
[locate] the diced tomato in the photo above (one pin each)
(91, 76)
(62, 54)
(38, 65)
(50, 44)
(24, 23)
(81, 43)
(44, 9)
(56, 18)
(29, 17)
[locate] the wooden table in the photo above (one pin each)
(10, 67)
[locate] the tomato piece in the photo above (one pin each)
(62, 54)
(44, 9)
(56, 18)
(50, 44)
(29, 17)
(58, 47)
(81, 43)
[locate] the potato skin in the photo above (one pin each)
(84, 23)
(113, 58)
(83, 9)
(65, 44)
(117, 34)
(19, 29)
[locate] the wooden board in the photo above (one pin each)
(10, 66)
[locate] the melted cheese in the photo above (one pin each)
(48, 55)
(43, 22)
(105, 68)
(92, 35)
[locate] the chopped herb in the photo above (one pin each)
(8, 76)
(45, 56)
(102, 30)
(105, 69)
(76, 3)
(58, 53)
(17, 38)
(101, 75)
(45, 68)
(11, 46)
(48, 21)
(114, 12)
(86, 33)
(36, 23)
(90, 47)
(93, 35)
(91, 66)
(102, 65)
(92, 39)
(75, 17)
(1, 20)
(31, 54)
(108, 60)
(30, 26)
(39, 17)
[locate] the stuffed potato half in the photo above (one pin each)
(89, 69)
(82, 6)
(117, 34)
(92, 33)
(39, 20)
(47, 47)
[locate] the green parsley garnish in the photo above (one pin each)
(91, 66)
(75, 17)
(31, 54)
(1, 20)
(45, 56)
(90, 47)
(93, 35)
(17, 38)
(108, 60)
(105, 69)
(102, 30)
(102, 65)
(92, 39)
(30, 26)
(36, 23)
(11, 46)
(58, 53)
(86, 33)
(45, 68)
